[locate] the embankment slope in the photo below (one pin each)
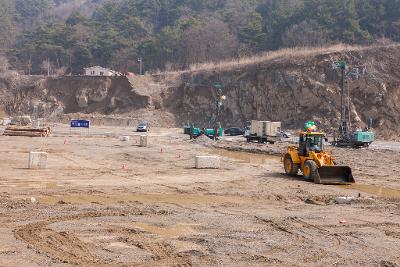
(291, 86)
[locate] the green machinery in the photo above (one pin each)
(347, 137)
(362, 138)
(195, 132)
(216, 125)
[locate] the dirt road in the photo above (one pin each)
(103, 201)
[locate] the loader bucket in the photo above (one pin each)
(334, 175)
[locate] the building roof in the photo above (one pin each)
(107, 69)
(96, 67)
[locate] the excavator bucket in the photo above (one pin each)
(334, 175)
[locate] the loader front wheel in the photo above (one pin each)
(310, 171)
(291, 168)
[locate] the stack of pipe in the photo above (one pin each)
(27, 131)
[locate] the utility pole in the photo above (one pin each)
(218, 103)
(29, 65)
(140, 60)
(48, 67)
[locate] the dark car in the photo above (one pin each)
(143, 127)
(234, 131)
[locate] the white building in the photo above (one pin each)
(100, 71)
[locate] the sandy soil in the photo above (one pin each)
(102, 201)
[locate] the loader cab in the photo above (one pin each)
(311, 142)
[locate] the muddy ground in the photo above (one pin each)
(103, 201)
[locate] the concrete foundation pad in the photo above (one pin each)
(37, 160)
(207, 162)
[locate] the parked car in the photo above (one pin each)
(233, 131)
(286, 134)
(143, 127)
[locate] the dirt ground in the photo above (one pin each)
(103, 201)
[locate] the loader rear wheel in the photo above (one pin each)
(291, 168)
(310, 170)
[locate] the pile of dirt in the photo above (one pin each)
(204, 140)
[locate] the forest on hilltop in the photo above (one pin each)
(68, 35)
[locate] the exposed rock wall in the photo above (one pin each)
(293, 90)
(52, 97)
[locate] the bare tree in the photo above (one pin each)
(82, 34)
(3, 64)
(209, 41)
(306, 33)
(124, 59)
(6, 23)
(46, 66)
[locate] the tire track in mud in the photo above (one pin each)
(305, 233)
(367, 224)
(294, 226)
(68, 248)
(276, 225)
(310, 233)
(164, 253)
(62, 246)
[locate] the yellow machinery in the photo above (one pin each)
(314, 162)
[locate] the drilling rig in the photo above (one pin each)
(347, 137)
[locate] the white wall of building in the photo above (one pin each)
(99, 71)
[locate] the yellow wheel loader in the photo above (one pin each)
(314, 162)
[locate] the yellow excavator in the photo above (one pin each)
(314, 162)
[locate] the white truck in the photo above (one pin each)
(263, 131)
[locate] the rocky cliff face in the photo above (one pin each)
(52, 97)
(293, 90)
(290, 88)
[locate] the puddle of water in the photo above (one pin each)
(30, 184)
(175, 231)
(145, 198)
(246, 157)
(375, 190)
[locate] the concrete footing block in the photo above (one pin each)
(143, 140)
(208, 162)
(37, 160)
(344, 200)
